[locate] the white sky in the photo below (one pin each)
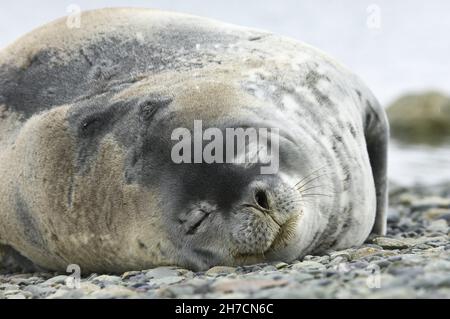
(410, 51)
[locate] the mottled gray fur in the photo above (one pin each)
(86, 117)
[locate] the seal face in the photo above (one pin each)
(86, 150)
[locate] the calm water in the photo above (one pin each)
(411, 164)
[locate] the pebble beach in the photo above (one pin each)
(411, 261)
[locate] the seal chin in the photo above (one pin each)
(271, 249)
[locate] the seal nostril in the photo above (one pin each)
(261, 199)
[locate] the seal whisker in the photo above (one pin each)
(310, 181)
(309, 175)
(306, 195)
(312, 187)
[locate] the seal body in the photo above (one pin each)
(86, 118)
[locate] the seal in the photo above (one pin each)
(86, 119)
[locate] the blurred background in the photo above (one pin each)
(401, 50)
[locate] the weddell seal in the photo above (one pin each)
(87, 122)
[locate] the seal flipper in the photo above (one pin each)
(377, 139)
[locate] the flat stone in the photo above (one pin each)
(61, 279)
(218, 270)
(175, 291)
(161, 272)
(438, 265)
(185, 273)
(301, 277)
(437, 213)
(19, 295)
(129, 274)
(382, 263)
(107, 279)
(88, 287)
(347, 254)
(269, 268)
(281, 265)
(339, 260)
(170, 280)
(246, 285)
(433, 280)
(40, 291)
(439, 226)
(12, 292)
(309, 266)
(233, 295)
(364, 252)
(67, 294)
(392, 243)
(8, 286)
(430, 202)
(113, 292)
(321, 259)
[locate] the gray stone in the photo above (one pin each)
(220, 270)
(165, 281)
(392, 243)
(113, 292)
(130, 274)
(8, 286)
(365, 252)
(107, 279)
(40, 291)
(281, 265)
(309, 266)
(439, 226)
(161, 272)
(269, 268)
(61, 279)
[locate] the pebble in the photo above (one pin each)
(437, 213)
(393, 216)
(40, 291)
(438, 226)
(269, 268)
(165, 280)
(6, 287)
(161, 272)
(107, 280)
(364, 252)
(392, 243)
(113, 291)
(61, 279)
(247, 285)
(308, 266)
(130, 274)
(347, 254)
(412, 261)
(220, 270)
(382, 263)
(426, 203)
(281, 265)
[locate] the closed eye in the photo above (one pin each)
(150, 107)
(90, 123)
(93, 124)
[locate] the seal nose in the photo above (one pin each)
(261, 199)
